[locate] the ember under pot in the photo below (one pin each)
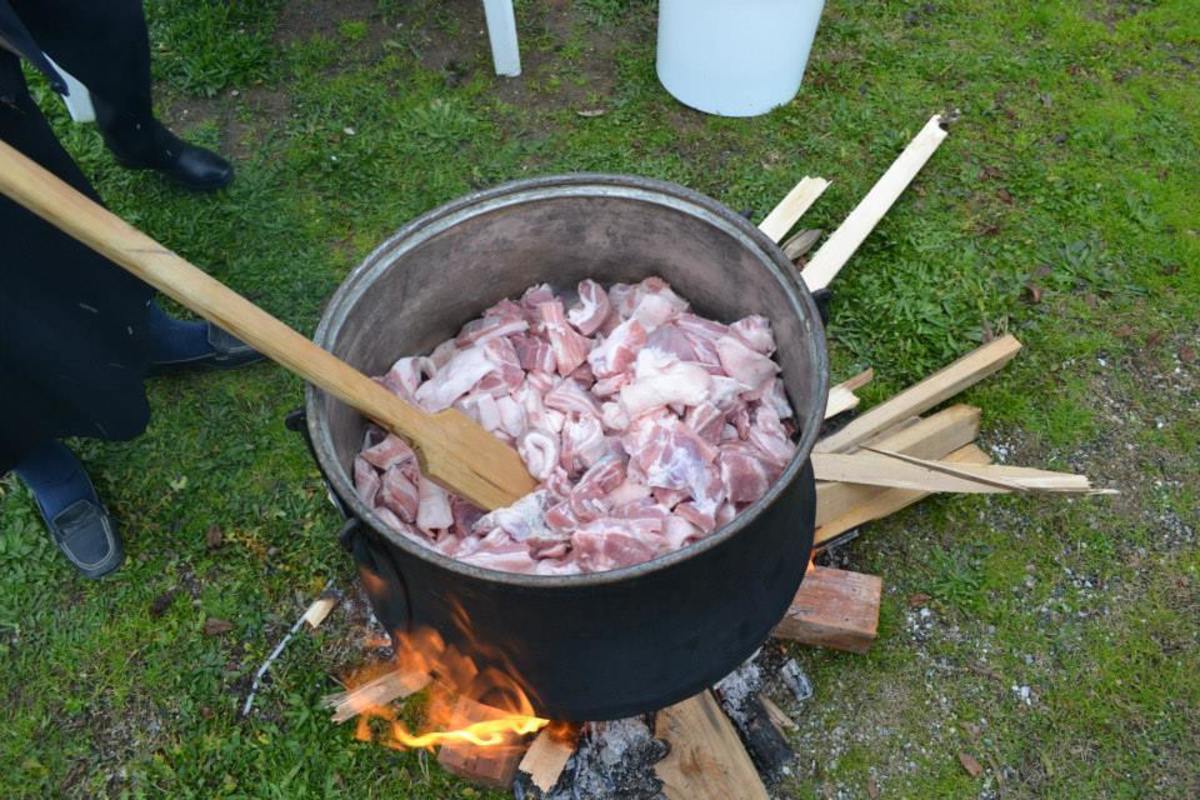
(610, 644)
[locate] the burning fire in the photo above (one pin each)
(465, 704)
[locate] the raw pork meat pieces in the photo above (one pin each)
(647, 426)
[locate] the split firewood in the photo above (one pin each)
(778, 717)
(842, 243)
(876, 503)
(798, 245)
(492, 765)
(792, 207)
(707, 760)
(376, 693)
(932, 437)
(547, 757)
(919, 398)
(842, 397)
(834, 608)
(898, 471)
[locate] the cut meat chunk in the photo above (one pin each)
(392, 450)
(769, 437)
(482, 408)
(606, 544)
(465, 513)
(491, 327)
(571, 398)
(744, 476)
(403, 378)
(661, 379)
(534, 353)
(654, 310)
(499, 552)
(589, 497)
(583, 443)
(523, 519)
(755, 333)
(399, 494)
(570, 349)
(434, 512)
(508, 366)
(539, 450)
(366, 481)
(593, 308)
(751, 369)
(618, 350)
(670, 339)
(707, 421)
(455, 379)
(512, 416)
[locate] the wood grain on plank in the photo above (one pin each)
(931, 437)
(707, 760)
(878, 503)
(834, 608)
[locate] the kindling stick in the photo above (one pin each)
(792, 207)
(833, 255)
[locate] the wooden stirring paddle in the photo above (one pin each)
(453, 450)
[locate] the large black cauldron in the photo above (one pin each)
(611, 644)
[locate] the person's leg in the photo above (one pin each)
(181, 345)
(106, 46)
(77, 521)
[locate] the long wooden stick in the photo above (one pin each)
(920, 397)
(833, 255)
(454, 451)
(879, 503)
(792, 207)
(907, 472)
(932, 437)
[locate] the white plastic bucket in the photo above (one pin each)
(735, 58)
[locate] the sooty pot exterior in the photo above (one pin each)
(610, 644)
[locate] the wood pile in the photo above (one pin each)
(881, 461)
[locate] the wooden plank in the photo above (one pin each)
(792, 207)
(931, 437)
(779, 717)
(707, 760)
(375, 693)
(922, 396)
(879, 503)
(546, 758)
(834, 608)
(840, 246)
(898, 471)
(842, 397)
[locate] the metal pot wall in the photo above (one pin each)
(609, 644)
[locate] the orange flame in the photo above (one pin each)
(465, 704)
(812, 564)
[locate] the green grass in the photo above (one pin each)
(1072, 169)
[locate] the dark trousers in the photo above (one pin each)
(104, 44)
(73, 341)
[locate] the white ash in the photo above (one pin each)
(795, 679)
(614, 759)
(739, 686)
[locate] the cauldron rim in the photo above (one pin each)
(582, 184)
